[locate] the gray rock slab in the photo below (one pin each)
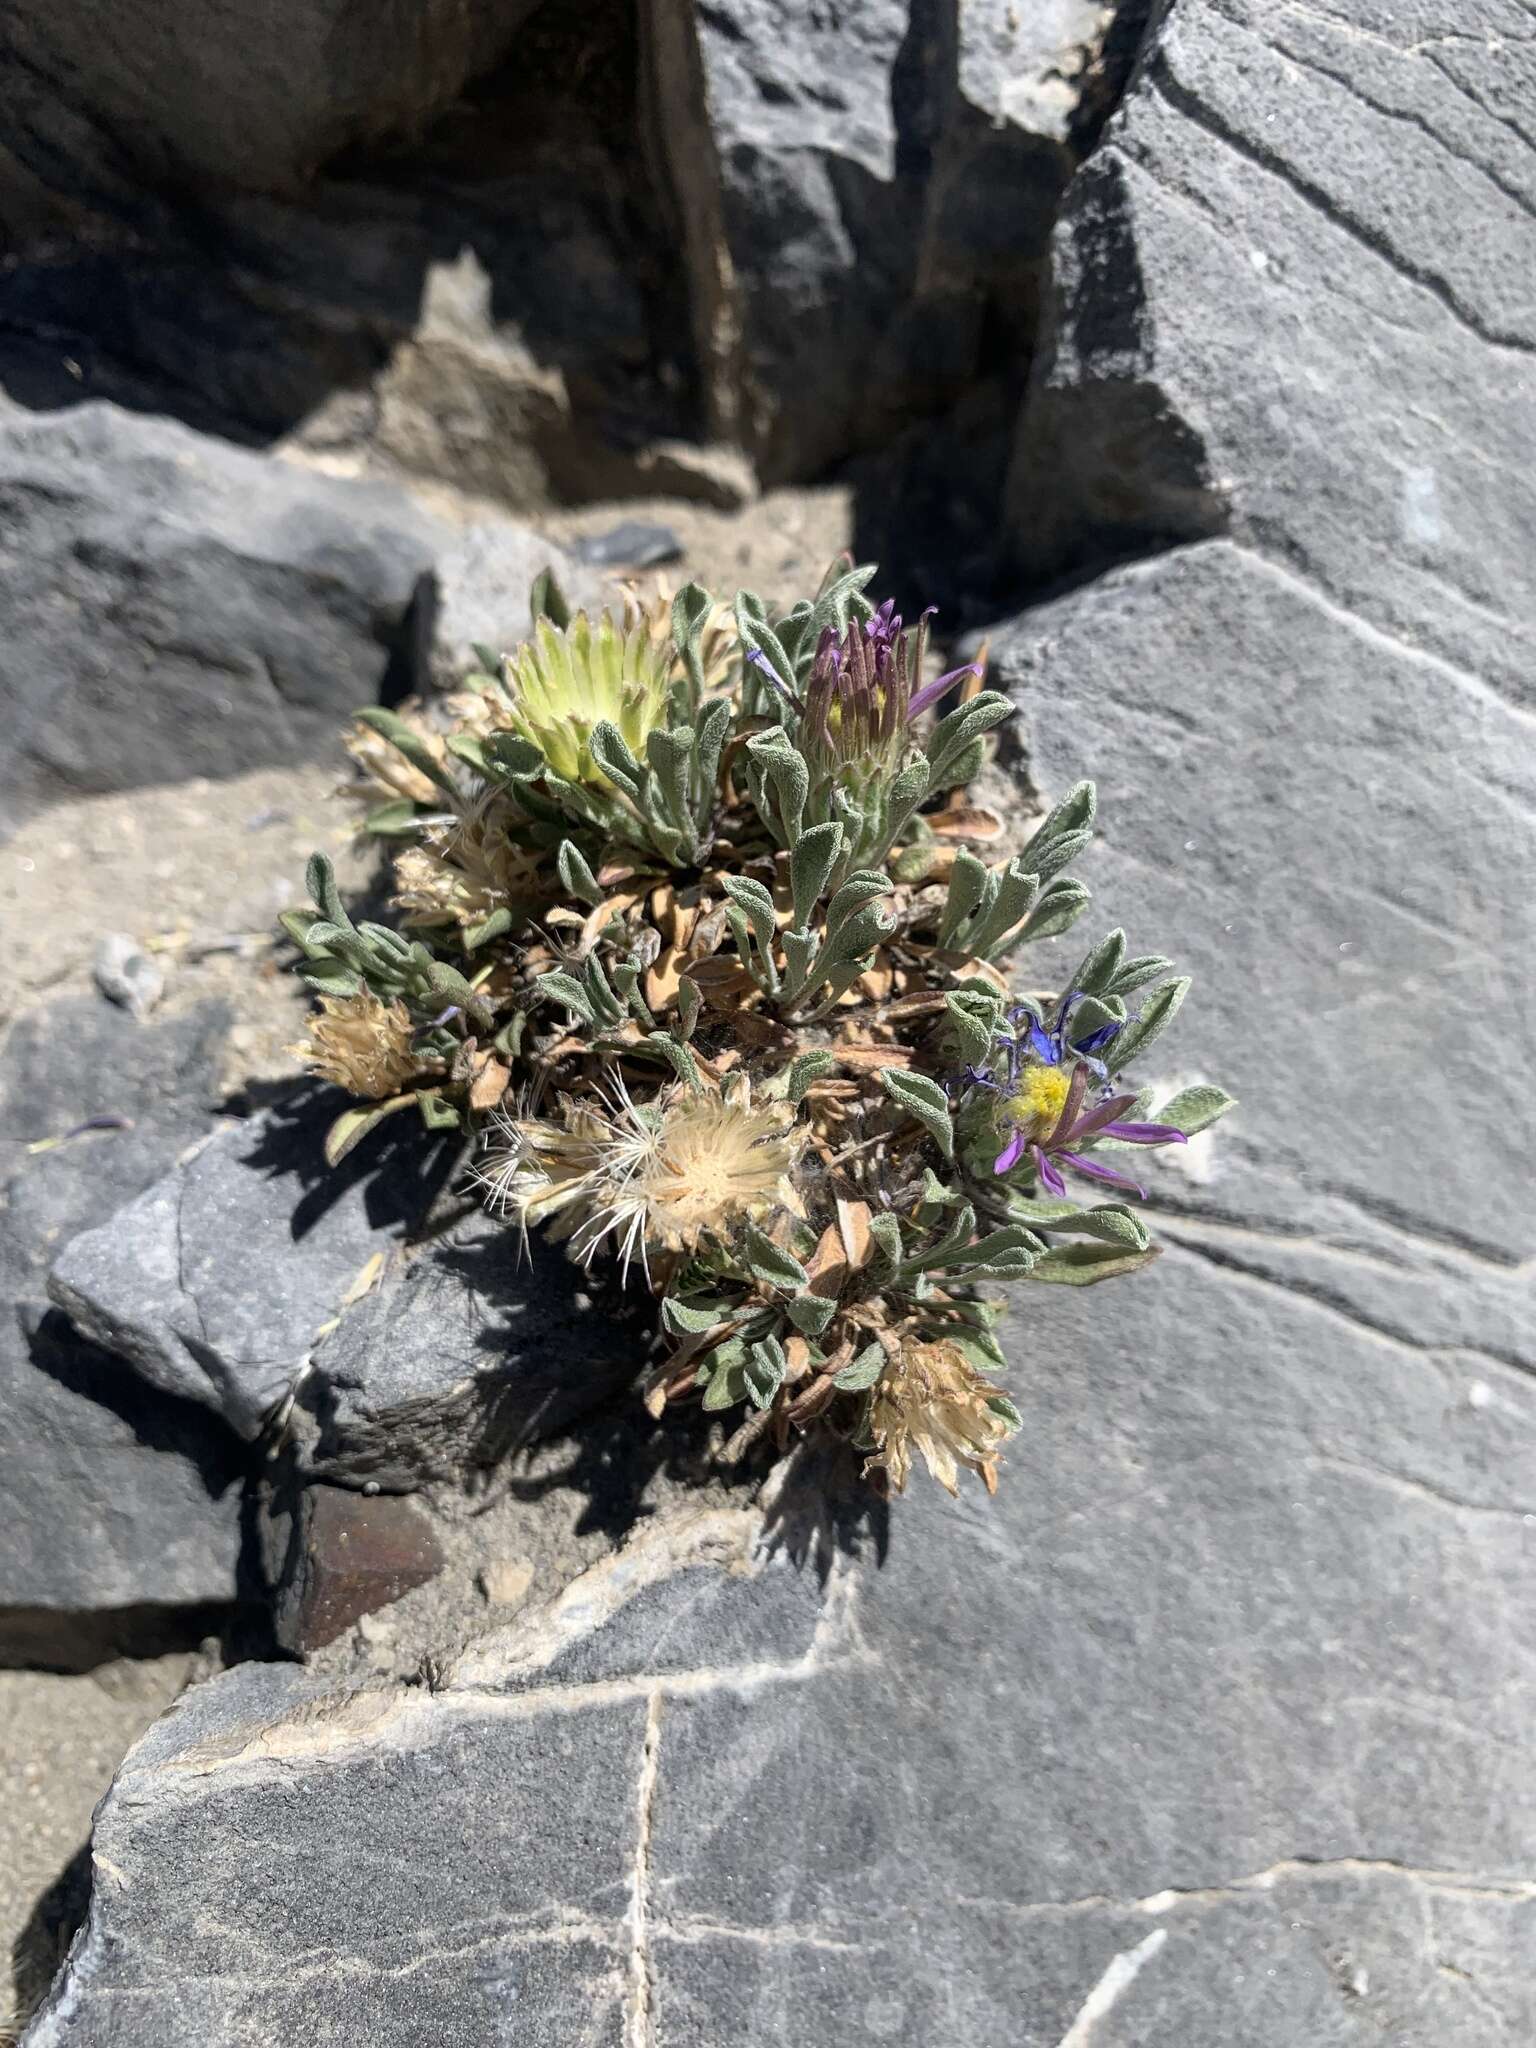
(173, 606)
(227, 1283)
(216, 1282)
(122, 1522)
(481, 578)
(449, 1873)
(1290, 301)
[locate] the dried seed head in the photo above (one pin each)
(362, 1044)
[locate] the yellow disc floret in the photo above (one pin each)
(1036, 1103)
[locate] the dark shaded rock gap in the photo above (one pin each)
(948, 506)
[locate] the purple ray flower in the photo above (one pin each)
(1044, 1101)
(1075, 1127)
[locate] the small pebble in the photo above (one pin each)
(126, 974)
(635, 544)
(505, 1580)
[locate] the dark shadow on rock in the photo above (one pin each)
(615, 1451)
(159, 1421)
(823, 1509)
(401, 1167)
(617, 1454)
(41, 1946)
(75, 1640)
(510, 254)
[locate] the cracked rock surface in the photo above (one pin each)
(1101, 1748)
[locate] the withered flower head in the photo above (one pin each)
(716, 1162)
(655, 1176)
(462, 871)
(389, 773)
(362, 1044)
(934, 1401)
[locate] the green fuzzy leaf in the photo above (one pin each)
(1075, 813)
(811, 1313)
(1096, 975)
(806, 1070)
(576, 877)
(1003, 1242)
(714, 722)
(778, 764)
(924, 1099)
(1137, 973)
(885, 1232)
(690, 613)
(437, 1114)
(670, 755)
(727, 1385)
(1111, 1221)
(1013, 895)
(692, 1318)
(974, 1017)
(764, 1369)
(855, 895)
(1083, 1265)
(799, 950)
(492, 927)
(980, 1347)
(1048, 860)
(510, 756)
(862, 1371)
(331, 978)
(611, 752)
(952, 1247)
(755, 900)
(320, 880)
(546, 600)
(959, 729)
(1195, 1109)
(854, 940)
(770, 1265)
(677, 1057)
(353, 1125)
(1157, 1013)
(970, 882)
(810, 864)
(1001, 1405)
(564, 988)
(1062, 904)
(392, 820)
(689, 1002)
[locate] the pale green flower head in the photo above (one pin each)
(565, 681)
